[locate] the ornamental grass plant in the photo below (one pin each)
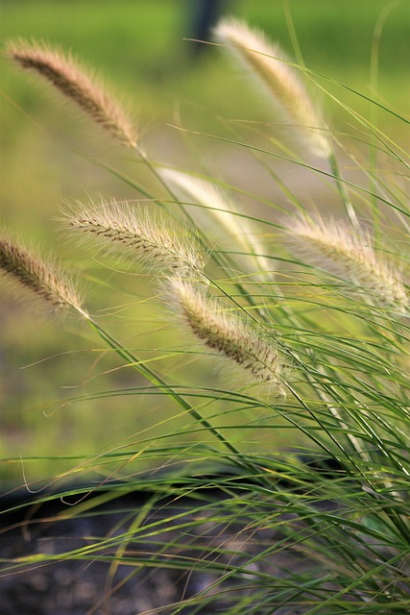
(294, 321)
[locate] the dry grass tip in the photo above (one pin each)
(227, 334)
(44, 278)
(131, 233)
(67, 76)
(269, 66)
(350, 253)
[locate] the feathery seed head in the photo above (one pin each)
(42, 277)
(118, 228)
(272, 69)
(222, 208)
(67, 76)
(352, 254)
(227, 334)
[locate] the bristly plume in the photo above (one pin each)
(44, 278)
(227, 334)
(118, 228)
(350, 253)
(272, 69)
(223, 210)
(67, 76)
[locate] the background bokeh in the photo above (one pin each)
(140, 48)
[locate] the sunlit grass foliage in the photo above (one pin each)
(303, 314)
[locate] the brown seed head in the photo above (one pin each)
(224, 211)
(351, 253)
(272, 69)
(129, 233)
(227, 334)
(43, 278)
(67, 76)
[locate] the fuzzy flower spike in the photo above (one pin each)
(222, 209)
(43, 278)
(130, 233)
(269, 66)
(350, 253)
(67, 76)
(227, 334)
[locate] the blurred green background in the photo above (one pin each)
(139, 48)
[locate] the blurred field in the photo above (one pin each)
(139, 48)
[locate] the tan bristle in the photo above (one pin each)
(44, 278)
(67, 76)
(223, 210)
(270, 66)
(351, 253)
(130, 233)
(227, 334)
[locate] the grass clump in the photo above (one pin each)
(321, 527)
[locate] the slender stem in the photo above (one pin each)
(238, 458)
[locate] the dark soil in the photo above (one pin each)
(213, 560)
(201, 554)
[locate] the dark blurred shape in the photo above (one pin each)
(204, 15)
